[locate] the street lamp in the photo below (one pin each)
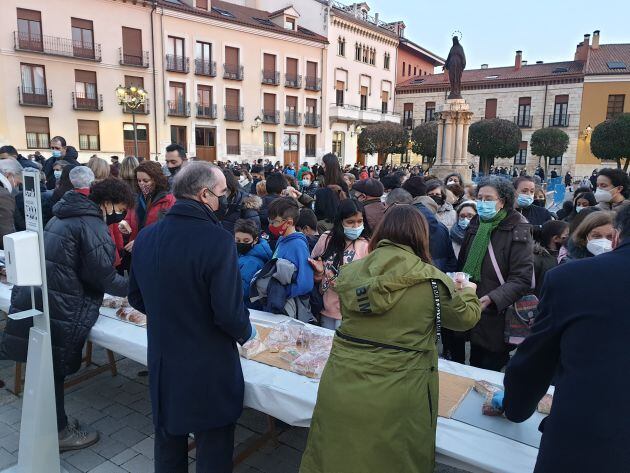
(132, 97)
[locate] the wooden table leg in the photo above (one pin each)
(112, 362)
(255, 445)
(88, 354)
(17, 383)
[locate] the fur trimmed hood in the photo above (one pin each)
(252, 202)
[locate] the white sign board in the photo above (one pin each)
(31, 201)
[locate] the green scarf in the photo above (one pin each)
(479, 246)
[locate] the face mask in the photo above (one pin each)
(277, 232)
(145, 188)
(243, 181)
(599, 246)
(244, 248)
(540, 202)
(463, 223)
(525, 200)
(451, 183)
(56, 153)
(57, 174)
(438, 199)
(174, 170)
(578, 209)
(306, 182)
(352, 233)
(115, 217)
(486, 210)
(602, 195)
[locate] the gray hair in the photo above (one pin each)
(398, 196)
(193, 177)
(503, 186)
(11, 166)
(81, 177)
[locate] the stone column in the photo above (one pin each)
(440, 140)
(464, 155)
(459, 132)
(448, 141)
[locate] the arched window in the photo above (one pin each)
(357, 52)
(341, 46)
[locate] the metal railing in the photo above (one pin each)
(559, 119)
(312, 83)
(142, 109)
(523, 121)
(292, 118)
(205, 68)
(56, 46)
(271, 116)
(359, 15)
(178, 108)
(234, 114)
(312, 120)
(133, 59)
(177, 63)
(29, 96)
(270, 150)
(270, 77)
(364, 109)
(293, 81)
(81, 102)
(207, 110)
(233, 72)
(233, 149)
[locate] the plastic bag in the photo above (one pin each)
(310, 364)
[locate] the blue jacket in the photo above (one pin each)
(582, 331)
(193, 299)
(295, 249)
(251, 263)
(440, 243)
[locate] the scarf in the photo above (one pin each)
(479, 246)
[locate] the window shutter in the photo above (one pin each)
(133, 81)
(292, 102)
(132, 41)
(408, 107)
(231, 97)
(79, 23)
(364, 90)
(203, 4)
(232, 137)
(311, 69)
(32, 15)
(88, 127)
(36, 124)
(270, 102)
(491, 108)
(525, 101)
(384, 96)
(523, 145)
(231, 56)
(292, 66)
(562, 99)
(269, 63)
(88, 77)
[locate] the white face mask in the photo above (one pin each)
(603, 195)
(599, 246)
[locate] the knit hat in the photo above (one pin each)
(370, 187)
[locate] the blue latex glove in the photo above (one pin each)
(254, 333)
(497, 400)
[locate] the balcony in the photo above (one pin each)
(558, 120)
(133, 59)
(92, 104)
(55, 46)
(523, 121)
(233, 149)
(233, 72)
(271, 117)
(234, 114)
(292, 118)
(270, 77)
(355, 114)
(142, 109)
(208, 111)
(205, 68)
(313, 83)
(178, 108)
(30, 97)
(177, 63)
(293, 81)
(312, 120)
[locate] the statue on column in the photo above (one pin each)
(455, 65)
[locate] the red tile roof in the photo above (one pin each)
(598, 59)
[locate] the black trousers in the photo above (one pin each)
(62, 419)
(488, 360)
(215, 449)
(454, 346)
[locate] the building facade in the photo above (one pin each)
(414, 60)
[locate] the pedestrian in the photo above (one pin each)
(568, 179)
(127, 173)
(305, 168)
(60, 150)
(328, 196)
(497, 253)
(308, 184)
(238, 204)
(175, 157)
(465, 213)
(598, 438)
(346, 242)
(613, 189)
(114, 167)
(9, 169)
(398, 197)
(592, 237)
(384, 350)
(369, 193)
(99, 167)
(253, 253)
(553, 237)
(80, 269)
(581, 201)
(195, 377)
(445, 212)
(9, 152)
(307, 225)
(524, 204)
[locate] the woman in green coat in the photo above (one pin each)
(376, 409)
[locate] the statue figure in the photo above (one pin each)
(455, 65)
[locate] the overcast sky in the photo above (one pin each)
(493, 30)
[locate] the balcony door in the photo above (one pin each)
(29, 29)
(205, 143)
(142, 131)
(291, 147)
(82, 38)
(33, 83)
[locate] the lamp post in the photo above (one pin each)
(132, 97)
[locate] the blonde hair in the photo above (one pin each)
(128, 168)
(99, 167)
(261, 189)
(594, 220)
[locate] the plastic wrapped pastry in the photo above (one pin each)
(132, 316)
(310, 364)
(114, 302)
(252, 348)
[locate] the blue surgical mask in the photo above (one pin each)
(56, 153)
(352, 233)
(525, 200)
(486, 209)
(306, 182)
(463, 223)
(57, 174)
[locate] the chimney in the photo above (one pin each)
(524, 63)
(587, 40)
(595, 39)
(518, 60)
(376, 18)
(484, 66)
(539, 62)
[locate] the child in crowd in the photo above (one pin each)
(253, 253)
(307, 224)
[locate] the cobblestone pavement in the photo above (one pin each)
(119, 408)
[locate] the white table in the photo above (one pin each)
(5, 297)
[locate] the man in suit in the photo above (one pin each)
(185, 277)
(580, 337)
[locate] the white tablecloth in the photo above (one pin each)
(5, 297)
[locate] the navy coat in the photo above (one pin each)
(185, 277)
(440, 243)
(582, 331)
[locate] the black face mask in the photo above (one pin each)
(244, 248)
(223, 207)
(438, 199)
(539, 202)
(111, 219)
(174, 170)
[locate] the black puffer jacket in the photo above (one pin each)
(243, 205)
(80, 268)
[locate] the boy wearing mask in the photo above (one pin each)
(253, 253)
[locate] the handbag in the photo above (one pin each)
(520, 316)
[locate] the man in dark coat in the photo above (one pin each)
(60, 151)
(588, 427)
(195, 376)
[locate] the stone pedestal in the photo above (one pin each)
(454, 119)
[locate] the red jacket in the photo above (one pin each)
(117, 238)
(155, 211)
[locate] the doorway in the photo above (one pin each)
(205, 142)
(291, 147)
(142, 130)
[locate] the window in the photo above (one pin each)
(341, 46)
(311, 144)
(384, 101)
(82, 38)
(386, 58)
(524, 117)
(203, 59)
(521, 157)
(178, 135)
(269, 139)
(615, 106)
(204, 137)
(491, 108)
(409, 70)
(88, 135)
(132, 46)
(37, 132)
(408, 115)
(373, 57)
(232, 63)
(337, 144)
(415, 71)
(560, 116)
(29, 29)
(339, 93)
(204, 101)
(177, 99)
(289, 23)
(202, 4)
(33, 79)
(175, 54)
(364, 97)
(357, 52)
(85, 90)
(365, 54)
(233, 105)
(403, 69)
(429, 111)
(292, 73)
(233, 141)
(555, 161)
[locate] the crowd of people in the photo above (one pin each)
(361, 250)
